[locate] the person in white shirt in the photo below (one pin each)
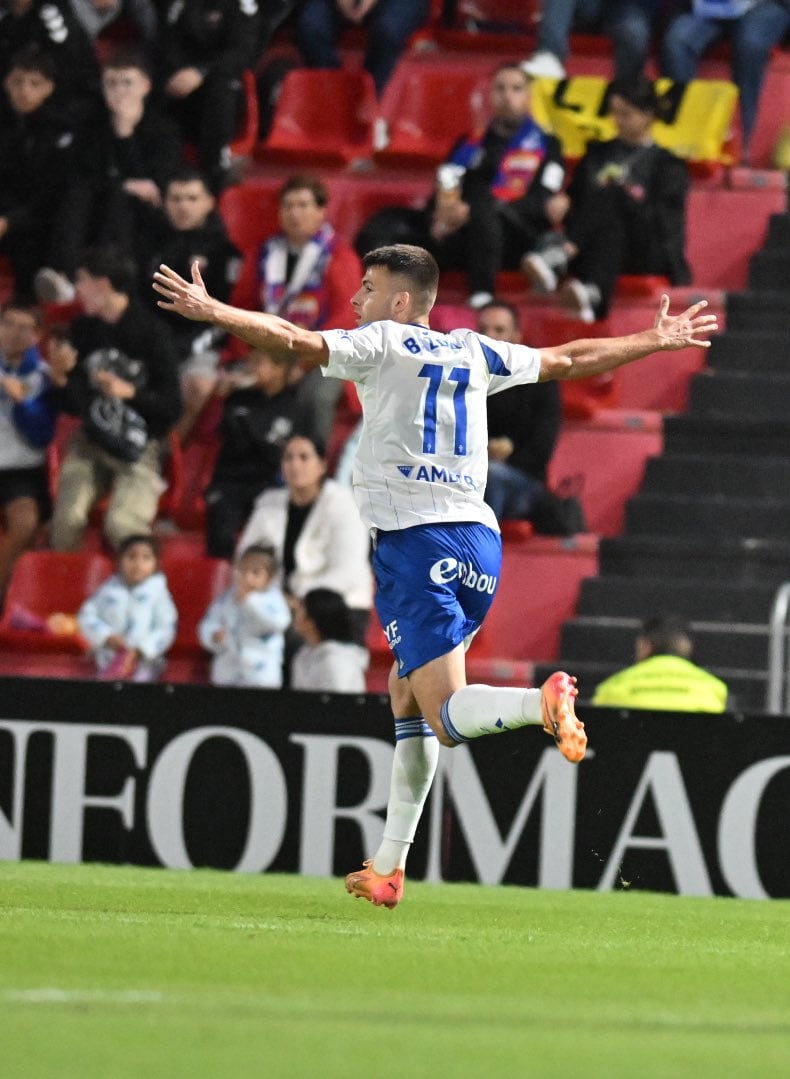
(131, 620)
(329, 661)
(244, 628)
(419, 479)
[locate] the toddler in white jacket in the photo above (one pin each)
(131, 620)
(245, 627)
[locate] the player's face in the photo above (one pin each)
(633, 125)
(187, 205)
(27, 90)
(300, 216)
(498, 322)
(378, 296)
(137, 563)
(510, 95)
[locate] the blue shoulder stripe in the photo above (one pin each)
(496, 365)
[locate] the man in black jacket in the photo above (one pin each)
(35, 152)
(625, 211)
(206, 46)
(189, 229)
(124, 387)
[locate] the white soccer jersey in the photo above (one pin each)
(423, 455)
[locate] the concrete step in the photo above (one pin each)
(770, 269)
(764, 310)
(724, 475)
(667, 515)
(722, 435)
(705, 600)
(757, 394)
(748, 350)
(697, 558)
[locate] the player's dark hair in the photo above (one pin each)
(329, 612)
(305, 182)
(111, 262)
(145, 538)
(33, 58)
(668, 635)
(417, 265)
(265, 553)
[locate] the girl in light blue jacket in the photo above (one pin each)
(245, 627)
(130, 621)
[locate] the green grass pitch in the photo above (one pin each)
(116, 972)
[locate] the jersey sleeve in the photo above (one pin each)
(353, 354)
(508, 364)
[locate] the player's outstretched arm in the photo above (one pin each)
(268, 332)
(594, 356)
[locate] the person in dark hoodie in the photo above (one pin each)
(122, 162)
(35, 149)
(123, 385)
(188, 229)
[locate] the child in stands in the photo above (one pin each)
(245, 627)
(130, 621)
(329, 660)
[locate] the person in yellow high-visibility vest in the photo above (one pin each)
(663, 677)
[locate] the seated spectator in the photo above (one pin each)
(258, 416)
(130, 621)
(389, 25)
(244, 628)
(629, 24)
(35, 162)
(523, 425)
(123, 385)
(753, 28)
(499, 191)
(206, 46)
(625, 212)
(663, 677)
(189, 229)
(52, 26)
(314, 527)
(329, 661)
(27, 424)
(122, 162)
(97, 16)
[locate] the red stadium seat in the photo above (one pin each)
(194, 581)
(323, 117)
(44, 583)
(427, 108)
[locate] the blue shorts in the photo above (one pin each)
(434, 586)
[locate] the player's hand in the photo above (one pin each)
(190, 299)
(689, 328)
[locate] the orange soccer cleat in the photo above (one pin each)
(559, 717)
(378, 890)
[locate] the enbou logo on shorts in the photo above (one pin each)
(450, 569)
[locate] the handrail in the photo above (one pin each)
(777, 695)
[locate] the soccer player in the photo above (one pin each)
(419, 479)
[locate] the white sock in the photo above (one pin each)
(477, 710)
(413, 769)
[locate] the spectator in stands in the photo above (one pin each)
(188, 228)
(625, 212)
(522, 428)
(329, 661)
(123, 385)
(206, 47)
(96, 16)
(35, 153)
(314, 526)
(130, 621)
(122, 163)
(52, 26)
(27, 424)
(389, 25)
(498, 192)
(663, 677)
(753, 28)
(258, 416)
(244, 627)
